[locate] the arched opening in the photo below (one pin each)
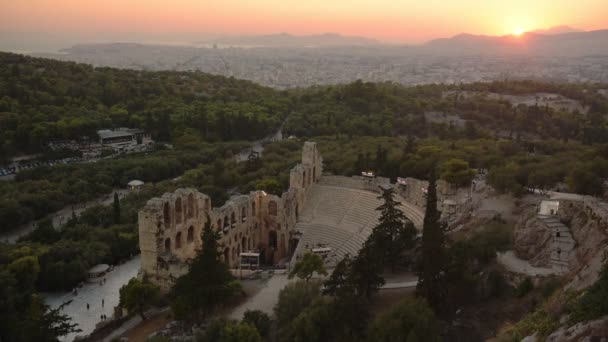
(297, 212)
(178, 210)
(178, 240)
(227, 256)
(310, 178)
(314, 174)
(272, 239)
(233, 219)
(190, 206)
(557, 234)
(272, 208)
(244, 243)
(282, 244)
(278, 226)
(234, 256)
(167, 245)
(207, 204)
(304, 179)
(226, 223)
(253, 208)
(190, 236)
(167, 215)
(244, 214)
(219, 225)
(249, 245)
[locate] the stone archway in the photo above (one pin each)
(227, 256)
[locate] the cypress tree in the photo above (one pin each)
(116, 209)
(432, 265)
(394, 232)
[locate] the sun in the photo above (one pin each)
(518, 31)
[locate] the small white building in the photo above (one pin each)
(548, 207)
(135, 185)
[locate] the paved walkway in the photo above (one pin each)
(93, 293)
(517, 265)
(62, 216)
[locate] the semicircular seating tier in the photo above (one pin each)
(340, 213)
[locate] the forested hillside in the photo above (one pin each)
(42, 100)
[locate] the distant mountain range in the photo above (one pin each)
(556, 30)
(530, 43)
(288, 40)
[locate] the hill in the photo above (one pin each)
(43, 100)
(570, 44)
(288, 40)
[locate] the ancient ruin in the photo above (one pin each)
(332, 213)
(170, 226)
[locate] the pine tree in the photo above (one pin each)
(116, 209)
(208, 282)
(394, 232)
(432, 265)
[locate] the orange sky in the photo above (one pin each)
(392, 20)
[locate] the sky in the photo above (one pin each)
(386, 20)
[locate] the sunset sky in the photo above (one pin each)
(388, 20)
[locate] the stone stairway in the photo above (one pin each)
(562, 243)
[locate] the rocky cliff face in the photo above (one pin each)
(592, 242)
(585, 331)
(534, 241)
(531, 239)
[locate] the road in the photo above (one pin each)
(62, 216)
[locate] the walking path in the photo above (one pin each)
(514, 264)
(62, 216)
(93, 294)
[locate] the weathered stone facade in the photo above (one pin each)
(170, 226)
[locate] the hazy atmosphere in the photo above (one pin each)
(52, 23)
(308, 171)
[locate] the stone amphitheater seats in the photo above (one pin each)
(339, 213)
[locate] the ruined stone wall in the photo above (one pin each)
(453, 202)
(170, 226)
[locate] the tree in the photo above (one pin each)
(410, 320)
(432, 266)
(394, 232)
(221, 330)
(457, 172)
(259, 319)
(293, 299)
(339, 282)
(138, 296)
(41, 323)
(208, 282)
(116, 207)
(365, 270)
(305, 268)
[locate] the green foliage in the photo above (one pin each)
(524, 287)
(116, 207)
(260, 320)
(394, 232)
(410, 320)
(307, 266)
(594, 301)
(208, 282)
(539, 322)
(271, 186)
(220, 330)
(138, 296)
(51, 100)
(457, 172)
(293, 299)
